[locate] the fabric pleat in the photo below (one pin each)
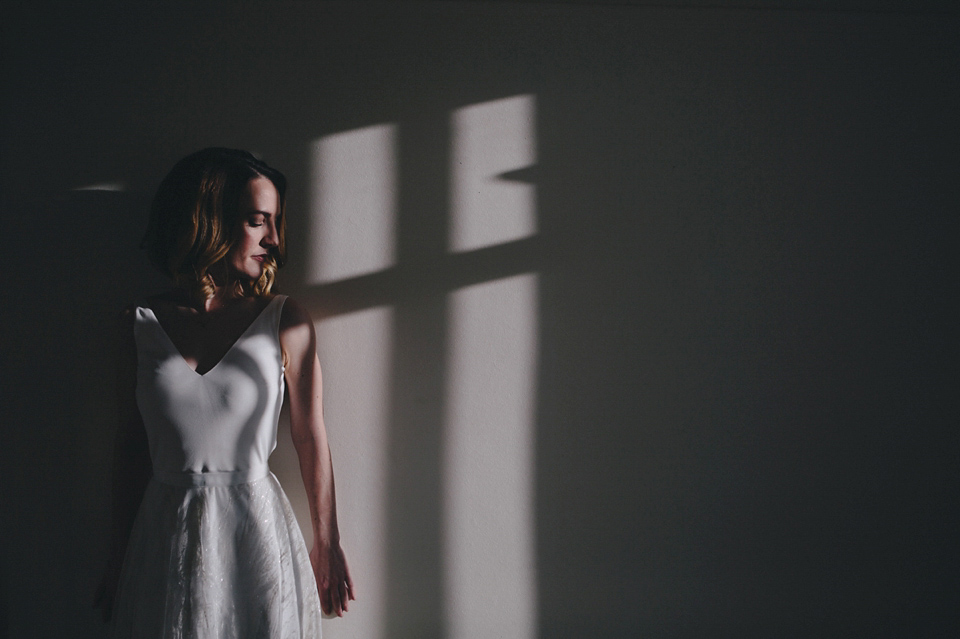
(222, 562)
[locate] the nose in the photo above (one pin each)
(272, 238)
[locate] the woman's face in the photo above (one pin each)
(259, 204)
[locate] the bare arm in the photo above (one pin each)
(131, 464)
(305, 386)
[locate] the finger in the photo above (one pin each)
(335, 598)
(348, 580)
(325, 603)
(344, 595)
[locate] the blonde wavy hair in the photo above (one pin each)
(195, 221)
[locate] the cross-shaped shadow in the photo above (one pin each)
(417, 288)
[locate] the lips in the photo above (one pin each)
(261, 258)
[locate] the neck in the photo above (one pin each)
(223, 295)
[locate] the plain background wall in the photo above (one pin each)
(745, 423)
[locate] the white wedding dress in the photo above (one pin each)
(215, 552)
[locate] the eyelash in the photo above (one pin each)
(253, 223)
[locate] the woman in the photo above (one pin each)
(214, 549)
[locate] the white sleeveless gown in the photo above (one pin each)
(215, 552)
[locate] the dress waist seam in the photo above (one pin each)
(212, 478)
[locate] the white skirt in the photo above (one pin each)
(217, 562)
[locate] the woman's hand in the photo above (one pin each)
(333, 578)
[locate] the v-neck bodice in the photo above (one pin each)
(149, 311)
(218, 427)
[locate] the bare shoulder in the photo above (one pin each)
(297, 335)
(294, 315)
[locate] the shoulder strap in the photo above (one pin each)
(277, 302)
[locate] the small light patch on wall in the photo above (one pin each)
(103, 186)
(353, 203)
(490, 139)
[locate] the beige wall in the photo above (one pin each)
(681, 370)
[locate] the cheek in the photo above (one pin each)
(241, 249)
(247, 242)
